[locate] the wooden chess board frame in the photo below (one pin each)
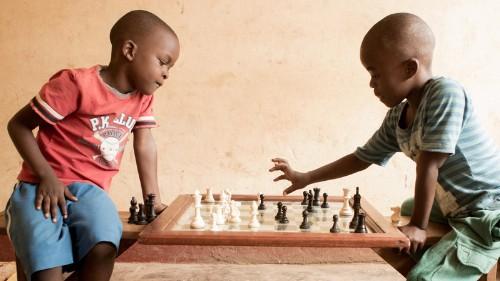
(159, 232)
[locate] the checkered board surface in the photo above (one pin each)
(321, 220)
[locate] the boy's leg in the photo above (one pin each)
(99, 262)
(95, 227)
(436, 214)
(39, 243)
(20, 271)
(53, 274)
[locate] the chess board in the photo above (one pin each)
(172, 227)
(320, 220)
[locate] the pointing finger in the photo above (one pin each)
(282, 177)
(279, 161)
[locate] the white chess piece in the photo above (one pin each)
(197, 198)
(209, 197)
(222, 197)
(197, 222)
(254, 222)
(221, 220)
(215, 226)
(346, 209)
(396, 215)
(228, 195)
(235, 213)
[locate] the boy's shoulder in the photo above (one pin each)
(75, 73)
(443, 87)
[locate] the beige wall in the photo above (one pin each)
(256, 79)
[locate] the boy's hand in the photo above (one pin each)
(51, 195)
(417, 237)
(299, 180)
(160, 207)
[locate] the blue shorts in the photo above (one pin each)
(41, 244)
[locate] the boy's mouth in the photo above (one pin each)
(159, 84)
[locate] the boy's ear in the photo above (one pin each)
(129, 49)
(411, 67)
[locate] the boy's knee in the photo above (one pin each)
(407, 207)
(103, 251)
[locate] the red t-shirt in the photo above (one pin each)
(87, 126)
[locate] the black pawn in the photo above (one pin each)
(335, 228)
(325, 201)
(133, 211)
(150, 207)
(304, 201)
(305, 222)
(316, 196)
(279, 215)
(284, 219)
(361, 227)
(261, 205)
(309, 203)
(142, 216)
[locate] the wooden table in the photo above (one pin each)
(163, 241)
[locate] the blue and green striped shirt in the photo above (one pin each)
(445, 122)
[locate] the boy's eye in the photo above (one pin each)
(163, 62)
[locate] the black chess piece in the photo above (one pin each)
(261, 205)
(284, 219)
(150, 207)
(304, 201)
(354, 221)
(305, 223)
(141, 219)
(335, 228)
(357, 199)
(133, 211)
(310, 208)
(325, 201)
(356, 206)
(279, 215)
(316, 196)
(361, 227)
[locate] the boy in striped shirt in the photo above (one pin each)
(431, 120)
(84, 118)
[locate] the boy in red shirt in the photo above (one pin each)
(84, 118)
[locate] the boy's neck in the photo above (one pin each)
(417, 92)
(116, 78)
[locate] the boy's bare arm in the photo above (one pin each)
(342, 167)
(428, 164)
(50, 191)
(146, 159)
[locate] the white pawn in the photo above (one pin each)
(197, 222)
(396, 215)
(235, 213)
(254, 223)
(214, 226)
(346, 209)
(221, 220)
(209, 197)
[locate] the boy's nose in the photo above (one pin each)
(372, 84)
(164, 74)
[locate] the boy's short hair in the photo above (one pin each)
(134, 25)
(403, 34)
